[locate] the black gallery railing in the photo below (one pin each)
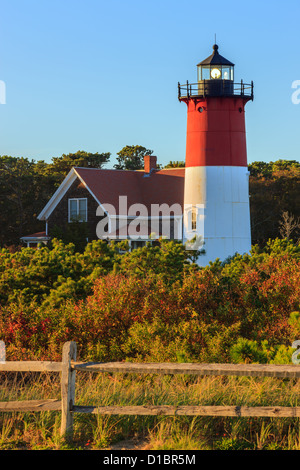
(215, 88)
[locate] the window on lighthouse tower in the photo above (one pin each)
(194, 219)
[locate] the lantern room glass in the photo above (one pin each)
(208, 72)
(203, 73)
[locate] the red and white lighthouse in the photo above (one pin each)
(216, 193)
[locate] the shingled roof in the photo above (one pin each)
(106, 186)
(161, 186)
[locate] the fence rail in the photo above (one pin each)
(68, 367)
(254, 370)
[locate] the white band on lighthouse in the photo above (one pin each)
(219, 196)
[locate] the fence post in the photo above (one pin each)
(2, 352)
(67, 389)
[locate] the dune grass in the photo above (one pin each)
(41, 430)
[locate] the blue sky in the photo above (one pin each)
(98, 75)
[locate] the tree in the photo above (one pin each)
(131, 157)
(261, 169)
(25, 187)
(63, 164)
(177, 164)
(17, 200)
(269, 169)
(274, 189)
(288, 224)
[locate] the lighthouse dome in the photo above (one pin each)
(216, 59)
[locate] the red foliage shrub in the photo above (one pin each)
(251, 296)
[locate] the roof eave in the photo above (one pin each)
(58, 195)
(218, 61)
(29, 239)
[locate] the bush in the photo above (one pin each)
(241, 310)
(246, 350)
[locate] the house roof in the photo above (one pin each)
(161, 186)
(158, 187)
(38, 236)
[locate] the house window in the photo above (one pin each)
(78, 210)
(194, 219)
(137, 244)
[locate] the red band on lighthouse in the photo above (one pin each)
(216, 134)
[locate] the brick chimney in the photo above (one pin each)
(149, 163)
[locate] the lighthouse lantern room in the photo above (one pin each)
(216, 193)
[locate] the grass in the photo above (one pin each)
(41, 430)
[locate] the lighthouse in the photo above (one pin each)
(216, 188)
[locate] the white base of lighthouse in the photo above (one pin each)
(216, 211)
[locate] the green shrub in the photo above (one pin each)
(140, 305)
(246, 350)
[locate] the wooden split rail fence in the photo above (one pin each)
(68, 367)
